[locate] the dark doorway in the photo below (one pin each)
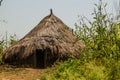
(40, 59)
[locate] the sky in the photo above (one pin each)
(20, 16)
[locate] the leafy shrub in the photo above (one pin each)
(75, 69)
(101, 36)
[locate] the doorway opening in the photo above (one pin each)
(40, 59)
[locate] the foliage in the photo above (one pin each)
(75, 69)
(101, 58)
(13, 39)
(100, 35)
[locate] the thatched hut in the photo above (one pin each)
(50, 40)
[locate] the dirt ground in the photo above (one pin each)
(11, 73)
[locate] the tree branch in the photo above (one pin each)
(0, 2)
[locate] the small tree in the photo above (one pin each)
(13, 39)
(101, 34)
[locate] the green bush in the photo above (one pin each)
(75, 69)
(101, 35)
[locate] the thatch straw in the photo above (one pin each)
(51, 33)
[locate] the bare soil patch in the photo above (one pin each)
(13, 73)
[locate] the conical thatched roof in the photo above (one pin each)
(50, 34)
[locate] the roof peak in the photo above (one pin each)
(51, 12)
